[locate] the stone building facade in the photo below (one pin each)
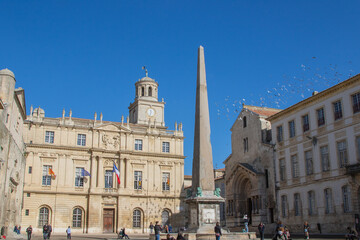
(317, 159)
(149, 157)
(12, 149)
(249, 169)
(219, 175)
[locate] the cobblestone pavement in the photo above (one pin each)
(135, 237)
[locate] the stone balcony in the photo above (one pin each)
(353, 168)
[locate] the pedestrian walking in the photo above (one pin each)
(68, 233)
(29, 232)
(49, 231)
(261, 228)
(306, 230)
(246, 223)
(157, 229)
(217, 230)
(45, 231)
(151, 227)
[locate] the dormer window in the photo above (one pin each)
(150, 92)
(244, 122)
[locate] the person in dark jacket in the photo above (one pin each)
(180, 236)
(261, 228)
(49, 231)
(217, 231)
(157, 229)
(29, 232)
(45, 231)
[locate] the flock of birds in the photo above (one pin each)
(290, 90)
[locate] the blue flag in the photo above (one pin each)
(85, 173)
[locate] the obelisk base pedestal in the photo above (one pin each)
(204, 212)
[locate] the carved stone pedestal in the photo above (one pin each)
(204, 212)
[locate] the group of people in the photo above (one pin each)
(47, 230)
(165, 229)
(122, 234)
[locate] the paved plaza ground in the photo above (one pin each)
(146, 236)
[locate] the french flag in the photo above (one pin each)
(117, 173)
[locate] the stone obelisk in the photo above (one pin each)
(203, 200)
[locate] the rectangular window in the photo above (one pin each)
(311, 197)
(295, 166)
(356, 102)
(166, 147)
(46, 177)
(166, 181)
(320, 117)
(49, 137)
(346, 198)
(30, 170)
(358, 146)
(342, 153)
(328, 200)
(28, 194)
(279, 133)
(282, 169)
(79, 179)
(309, 163)
(81, 140)
(306, 124)
(337, 110)
(324, 156)
(108, 179)
(137, 180)
(297, 205)
(138, 144)
(27, 212)
(292, 129)
(283, 206)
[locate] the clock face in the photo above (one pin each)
(151, 112)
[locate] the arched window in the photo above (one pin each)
(77, 217)
(137, 218)
(43, 216)
(150, 91)
(142, 91)
(165, 217)
(244, 122)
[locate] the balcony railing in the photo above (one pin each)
(353, 168)
(110, 190)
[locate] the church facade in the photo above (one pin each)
(70, 178)
(249, 169)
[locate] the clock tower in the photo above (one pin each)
(146, 108)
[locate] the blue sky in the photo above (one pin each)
(87, 55)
